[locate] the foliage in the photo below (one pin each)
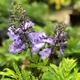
(16, 74)
(73, 45)
(65, 71)
(25, 66)
(4, 13)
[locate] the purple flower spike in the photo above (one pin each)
(45, 53)
(15, 35)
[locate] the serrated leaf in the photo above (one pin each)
(8, 72)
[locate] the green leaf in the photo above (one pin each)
(8, 72)
(18, 73)
(61, 72)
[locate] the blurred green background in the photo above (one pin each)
(45, 14)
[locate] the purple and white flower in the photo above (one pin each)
(12, 33)
(37, 47)
(36, 37)
(45, 53)
(36, 40)
(26, 25)
(48, 40)
(16, 47)
(15, 35)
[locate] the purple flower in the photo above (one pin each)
(45, 53)
(13, 36)
(13, 33)
(26, 25)
(63, 34)
(16, 47)
(39, 37)
(36, 37)
(11, 29)
(60, 38)
(36, 40)
(61, 49)
(62, 46)
(37, 47)
(19, 31)
(48, 40)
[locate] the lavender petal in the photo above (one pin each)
(45, 53)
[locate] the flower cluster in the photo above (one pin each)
(36, 40)
(16, 35)
(60, 37)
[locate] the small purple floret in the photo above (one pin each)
(45, 53)
(26, 25)
(48, 40)
(37, 47)
(16, 47)
(13, 33)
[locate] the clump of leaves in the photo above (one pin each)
(17, 74)
(65, 71)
